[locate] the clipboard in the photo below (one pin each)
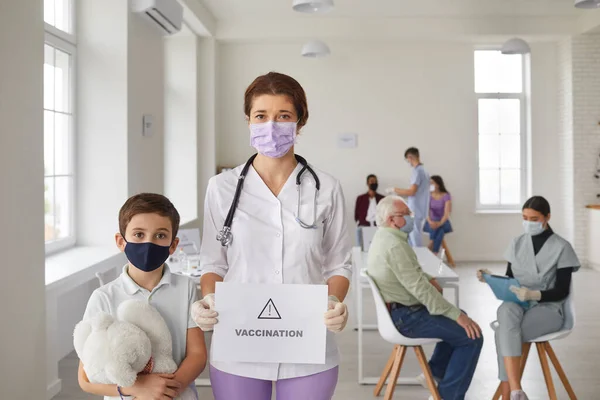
(500, 285)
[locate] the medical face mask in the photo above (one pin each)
(273, 139)
(373, 186)
(432, 188)
(533, 228)
(410, 224)
(146, 256)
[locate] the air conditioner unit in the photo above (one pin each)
(165, 15)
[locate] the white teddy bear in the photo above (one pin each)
(115, 351)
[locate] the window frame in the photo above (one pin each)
(524, 136)
(66, 42)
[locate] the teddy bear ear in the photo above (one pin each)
(101, 321)
(80, 335)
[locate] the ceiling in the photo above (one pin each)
(261, 9)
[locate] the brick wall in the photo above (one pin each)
(579, 109)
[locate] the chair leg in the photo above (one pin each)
(546, 369)
(427, 372)
(498, 393)
(398, 359)
(560, 371)
(448, 254)
(386, 372)
(524, 355)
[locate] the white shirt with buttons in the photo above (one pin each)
(270, 246)
(172, 297)
(372, 211)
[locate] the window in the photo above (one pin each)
(59, 149)
(502, 138)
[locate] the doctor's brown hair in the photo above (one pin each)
(277, 84)
(148, 203)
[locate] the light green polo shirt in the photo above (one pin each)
(394, 267)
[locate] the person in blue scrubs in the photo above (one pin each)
(417, 193)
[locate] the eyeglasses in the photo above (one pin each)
(401, 215)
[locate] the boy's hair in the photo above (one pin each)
(148, 203)
(412, 151)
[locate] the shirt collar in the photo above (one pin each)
(132, 288)
(396, 232)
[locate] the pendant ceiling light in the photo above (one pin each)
(587, 4)
(315, 49)
(313, 6)
(515, 46)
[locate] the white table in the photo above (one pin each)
(432, 265)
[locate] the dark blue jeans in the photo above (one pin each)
(437, 235)
(454, 360)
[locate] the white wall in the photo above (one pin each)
(102, 115)
(586, 132)
(394, 95)
(145, 95)
(22, 335)
(181, 124)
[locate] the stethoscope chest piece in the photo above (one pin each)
(225, 236)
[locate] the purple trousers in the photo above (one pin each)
(312, 387)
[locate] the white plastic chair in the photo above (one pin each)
(543, 346)
(367, 234)
(389, 333)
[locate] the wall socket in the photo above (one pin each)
(147, 125)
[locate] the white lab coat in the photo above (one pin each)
(269, 246)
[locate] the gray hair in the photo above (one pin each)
(386, 207)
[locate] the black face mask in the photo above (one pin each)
(373, 186)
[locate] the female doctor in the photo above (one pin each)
(543, 263)
(284, 231)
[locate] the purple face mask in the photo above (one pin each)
(273, 139)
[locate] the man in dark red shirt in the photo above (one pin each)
(364, 212)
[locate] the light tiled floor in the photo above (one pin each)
(579, 353)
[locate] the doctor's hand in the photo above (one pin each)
(204, 314)
(337, 316)
(390, 190)
(525, 294)
(480, 273)
(471, 327)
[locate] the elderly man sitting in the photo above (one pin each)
(416, 304)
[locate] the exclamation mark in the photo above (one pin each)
(269, 310)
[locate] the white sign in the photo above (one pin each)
(347, 140)
(189, 240)
(270, 323)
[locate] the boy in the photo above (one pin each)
(148, 225)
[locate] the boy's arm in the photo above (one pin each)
(195, 348)
(163, 385)
(195, 358)
(95, 388)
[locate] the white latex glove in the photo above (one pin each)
(337, 316)
(204, 314)
(525, 294)
(480, 273)
(390, 191)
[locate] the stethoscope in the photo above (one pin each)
(225, 236)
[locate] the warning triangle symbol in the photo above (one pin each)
(269, 311)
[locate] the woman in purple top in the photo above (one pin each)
(438, 220)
